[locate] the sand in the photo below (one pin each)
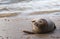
(12, 27)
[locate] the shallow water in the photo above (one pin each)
(30, 7)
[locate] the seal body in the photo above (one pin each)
(42, 26)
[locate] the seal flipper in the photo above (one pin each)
(28, 32)
(54, 27)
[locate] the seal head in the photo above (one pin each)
(43, 26)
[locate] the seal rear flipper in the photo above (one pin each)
(54, 27)
(28, 32)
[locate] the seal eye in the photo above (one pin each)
(41, 21)
(33, 20)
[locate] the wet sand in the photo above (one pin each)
(44, 12)
(11, 28)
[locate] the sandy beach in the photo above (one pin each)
(16, 16)
(12, 27)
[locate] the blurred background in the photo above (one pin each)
(28, 7)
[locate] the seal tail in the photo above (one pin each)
(28, 32)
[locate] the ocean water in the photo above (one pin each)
(29, 7)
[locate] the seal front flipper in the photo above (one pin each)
(28, 32)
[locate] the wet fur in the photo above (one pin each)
(42, 27)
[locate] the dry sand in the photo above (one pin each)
(11, 28)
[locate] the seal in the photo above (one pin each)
(42, 26)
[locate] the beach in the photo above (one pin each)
(16, 16)
(12, 28)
